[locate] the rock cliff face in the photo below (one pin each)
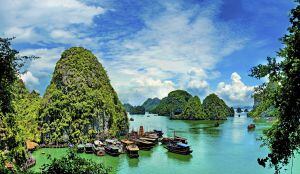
(80, 101)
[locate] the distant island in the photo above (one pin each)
(181, 105)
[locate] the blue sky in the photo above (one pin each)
(150, 48)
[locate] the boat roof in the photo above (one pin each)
(126, 141)
(150, 139)
(133, 148)
(89, 145)
(81, 146)
(98, 142)
(182, 144)
(143, 141)
(180, 138)
(110, 140)
(114, 147)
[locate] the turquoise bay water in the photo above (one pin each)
(227, 149)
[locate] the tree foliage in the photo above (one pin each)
(73, 164)
(173, 103)
(150, 104)
(80, 101)
(216, 108)
(11, 143)
(193, 110)
(283, 138)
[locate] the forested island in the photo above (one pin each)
(181, 105)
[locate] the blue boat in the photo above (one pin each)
(179, 148)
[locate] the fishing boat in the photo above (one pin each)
(158, 132)
(144, 145)
(251, 126)
(132, 151)
(179, 148)
(98, 143)
(112, 150)
(152, 140)
(100, 151)
(80, 148)
(89, 148)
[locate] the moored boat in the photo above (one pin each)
(89, 148)
(100, 151)
(112, 150)
(152, 140)
(158, 132)
(251, 126)
(144, 145)
(80, 148)
(179, 148)
(132, 151)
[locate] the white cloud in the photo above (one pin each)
(36, 21)
(183, 45)
(44, 66)
(28, 78)
(236, 93)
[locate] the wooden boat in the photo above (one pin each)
(89, 148)
(175, 139)
(165, 140)
(152, 140)
(144, 145)
(217, 124)
(251, 126)
(100, 151)
(80, 148)
(98, 143)
(179, 148)
(132, 151)
(112, 150)
(158, 132)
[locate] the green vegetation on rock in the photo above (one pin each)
(80, 101)
(138, 110)
(263, 103)
(174, 103)
(216, 108)
(192, 111)
(181, 105)
(150, 104)
(26, 106)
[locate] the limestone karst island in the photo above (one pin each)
(149, 87)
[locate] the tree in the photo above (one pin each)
(283, 137)
(73, 164)
(193, 110)
(11, 145)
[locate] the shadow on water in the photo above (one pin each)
(146, 153)
(178, 157)
(133, 162)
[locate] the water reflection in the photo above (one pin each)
(133, 162)
(181, 158)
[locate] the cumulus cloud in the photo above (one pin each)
(29, 78)
(236, 92)
(35, 21)
(44, 66)
(182, 45)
